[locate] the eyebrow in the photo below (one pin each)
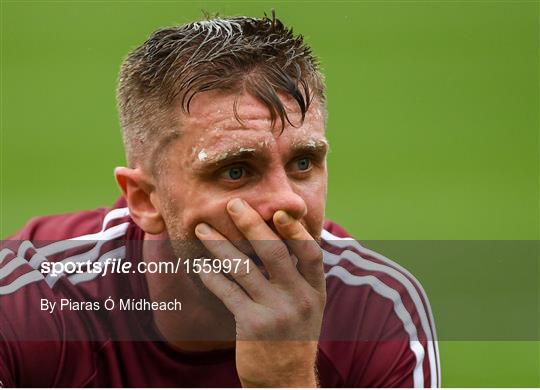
(204, 161)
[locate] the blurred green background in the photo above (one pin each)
(433, 123)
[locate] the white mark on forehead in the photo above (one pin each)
(202, 155)
(311, 142)
(214, 157)
(323, 141)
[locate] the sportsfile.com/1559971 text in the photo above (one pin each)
(114, 265)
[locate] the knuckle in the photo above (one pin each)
(282, 320)
(230, 292)
(316, 254)
(310, 251)
(305, 306)
(304, 246)
(277, 251)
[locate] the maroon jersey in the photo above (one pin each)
(377, 331)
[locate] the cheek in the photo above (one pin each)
(189, 208)
(212, 212)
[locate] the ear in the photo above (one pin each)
(141, 199)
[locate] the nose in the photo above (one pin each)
(276, 192)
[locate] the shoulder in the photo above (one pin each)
(32, 339)
(351, 264)
(72, 225)
(77, 237)
(374, 300)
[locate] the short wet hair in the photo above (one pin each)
(259, 56)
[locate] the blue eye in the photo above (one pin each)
(303, 164)
(235, 173)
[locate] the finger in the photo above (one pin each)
(244, 272)
(228, 292)
(268, 246)
(306, 249)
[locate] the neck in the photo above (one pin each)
(203, 324)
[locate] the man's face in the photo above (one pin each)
(216, 158)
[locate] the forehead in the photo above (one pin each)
(212, 118)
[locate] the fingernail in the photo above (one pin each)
(282, 217)
(236, 206)
(203, 229)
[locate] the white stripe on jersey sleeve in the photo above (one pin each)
(11, 266)
(4, 253)
(104, 235)
(399, 274)
(399, 308)
(21, 281)
(56, 247)
(119, 252)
